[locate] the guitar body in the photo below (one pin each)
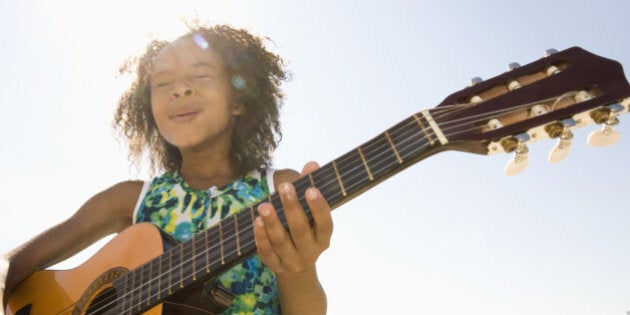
(72, 291)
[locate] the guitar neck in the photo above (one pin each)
(232, 239)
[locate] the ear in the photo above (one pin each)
(238, 109)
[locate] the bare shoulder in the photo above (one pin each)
(129, 189)
(284, 176)
(112, 207)
(123, 194)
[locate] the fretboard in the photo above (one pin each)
(232, 240)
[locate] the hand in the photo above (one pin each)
(297, 249)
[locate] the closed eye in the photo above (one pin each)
(203, 75)
(161, 84)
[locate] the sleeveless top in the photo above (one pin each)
(172, 205)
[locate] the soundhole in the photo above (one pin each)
(103, 302)
(26, 310)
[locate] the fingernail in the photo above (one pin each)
(259, 222)
(311, 193)
(263, 211)
(284, 188)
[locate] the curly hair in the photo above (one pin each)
(255, 75)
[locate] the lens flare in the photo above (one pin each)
(200, 41)
(238, 82)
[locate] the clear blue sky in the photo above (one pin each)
(451, 235)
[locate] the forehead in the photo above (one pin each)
(182, 54)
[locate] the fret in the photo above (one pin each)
(326, 181)
(365, 164)
(343, 189)
(151, 285)
(248, 241)
(423, 128)
(198, 258)
(159, 277)
(182, 264)
(353, 172)
(123, 281)
(238, 238)
(214, 240)
(133, 288)
(194, 270)
(221, 243)
(229, 241)
(251, 213)
(391, 143)
(149, 282)
(245, 224)
(409, 138)
(136, 293)
(207, 251)
(146, 283)
(379, 156)
(170, 272)
(310, 177)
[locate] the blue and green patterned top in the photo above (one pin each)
(181, 211)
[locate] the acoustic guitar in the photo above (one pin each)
(142, 271)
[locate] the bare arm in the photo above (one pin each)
(106, 213)
(292, 255)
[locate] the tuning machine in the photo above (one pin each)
(562, 131)
(517, 145)
(607, 116)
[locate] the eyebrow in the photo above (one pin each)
(194, 65)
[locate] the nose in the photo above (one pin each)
(182, 89)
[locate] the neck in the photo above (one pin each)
(204, 169)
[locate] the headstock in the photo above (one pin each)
(544, 99)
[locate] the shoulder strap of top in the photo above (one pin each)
(270, 183)
(143, 192)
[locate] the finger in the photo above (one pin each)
(299, 227)
(309, 168)
(264, 248)
(322, 218)
(279, 238)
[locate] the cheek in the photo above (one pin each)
(157, 106)
(159, 114)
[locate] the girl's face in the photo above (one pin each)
(191, 97)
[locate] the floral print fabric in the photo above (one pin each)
(181, 211)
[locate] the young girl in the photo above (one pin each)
(206, 107)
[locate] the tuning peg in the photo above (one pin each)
(513, 65)
(551, 70)
(561, 130)
(551, 51)
(476, 80)
(582, 96)
(537, 110)
(604, 137)
(608, 117)
(517, 145)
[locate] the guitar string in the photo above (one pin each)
(249, 230)
(228, 232)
